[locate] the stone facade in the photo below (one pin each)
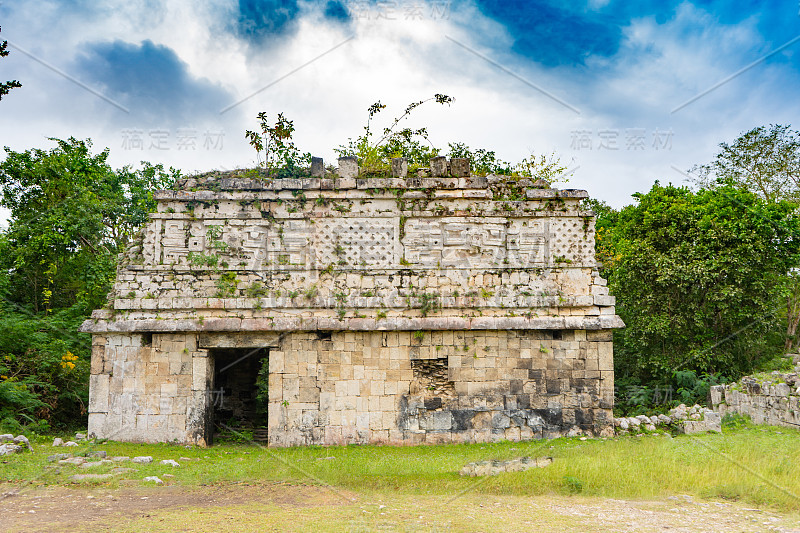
(772, 399)
(442, 307)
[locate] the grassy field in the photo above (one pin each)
(755, 465)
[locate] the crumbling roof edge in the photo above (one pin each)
(100, 325)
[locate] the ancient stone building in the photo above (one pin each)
(442, 307)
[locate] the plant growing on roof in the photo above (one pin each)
(280, 155)
(373, 157)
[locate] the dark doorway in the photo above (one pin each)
(239, 394)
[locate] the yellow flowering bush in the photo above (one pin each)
(68, 360)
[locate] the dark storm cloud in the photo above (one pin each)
(150, 80)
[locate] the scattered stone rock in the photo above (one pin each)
(95, 464)
(70, 443)
(708, 421)
(492, 468)
(142, 459)
(58, 441)
(22, 440)
(8, 449)
(14, 444)
(90, 477)
(154, 479)
(58, 457)
(679, 413)
(80, 436)
(695, 419)
(97, 453)
(170, 462)
(73, 461)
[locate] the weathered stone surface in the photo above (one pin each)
(492, 468)
(8, 449)
(22, 440)
(317, 167)
(90, 477)
(438, 166)
(348, 167)
(459, 167)
(95, 464)
(73, 461)
(142, 459)
(772, 398)
(399, 167)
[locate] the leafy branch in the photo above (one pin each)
(373, 157)
(275, 141)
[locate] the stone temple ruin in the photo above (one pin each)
(439, 307)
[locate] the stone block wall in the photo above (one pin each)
(149, 388)
(364, 387)
(395, 387)
(772, 399)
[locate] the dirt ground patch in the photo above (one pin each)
(59, 508)
(293, 507)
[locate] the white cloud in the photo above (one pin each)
(657, 67)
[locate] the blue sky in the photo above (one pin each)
(624, 92)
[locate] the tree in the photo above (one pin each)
(5, 87)
(697, 277)
(70, 215)
(765, 161)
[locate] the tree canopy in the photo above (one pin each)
(70, 215)
(698, 278)
(764, 160)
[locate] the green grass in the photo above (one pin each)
(751, 464)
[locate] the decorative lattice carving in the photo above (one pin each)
(571, 240)
(355, 242)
